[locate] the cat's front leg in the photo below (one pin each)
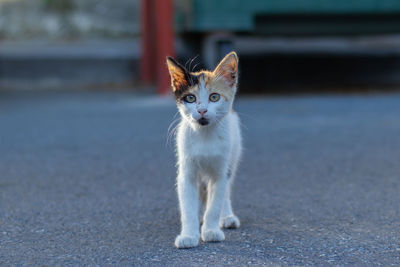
(210, 231)
(189, 207)
(228, 219)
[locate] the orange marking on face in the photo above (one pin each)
(211, 84)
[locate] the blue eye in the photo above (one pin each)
(189, 98)
(214, 97)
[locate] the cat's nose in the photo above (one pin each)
(202, 111)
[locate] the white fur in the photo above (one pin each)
(206, 154)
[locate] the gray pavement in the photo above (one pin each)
(88, 179)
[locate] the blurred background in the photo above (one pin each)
(284, 46)
(87, 161)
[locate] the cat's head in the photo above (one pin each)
(205, 97)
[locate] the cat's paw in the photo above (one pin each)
(212, 235)
(184, 241)
(231, 222)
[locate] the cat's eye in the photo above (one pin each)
(189, 98)
(214, 97)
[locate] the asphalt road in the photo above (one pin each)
(88, 179)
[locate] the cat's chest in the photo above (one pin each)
(207, 147)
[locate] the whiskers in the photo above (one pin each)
(194, 68)
(190, 63)
(172, 129)
(190, 69)
(241, 115)
(219, 117)
(221, 114)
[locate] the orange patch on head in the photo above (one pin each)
(213, 84)
(223, 80)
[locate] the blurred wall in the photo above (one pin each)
(59, 19)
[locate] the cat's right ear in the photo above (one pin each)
(179, 75)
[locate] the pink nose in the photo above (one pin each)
(202, 111)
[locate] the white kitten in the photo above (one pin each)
(208, 148)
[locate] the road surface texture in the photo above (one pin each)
(88, 179)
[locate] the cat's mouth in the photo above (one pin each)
(203, 121)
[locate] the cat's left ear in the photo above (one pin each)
(227, 69)
(179, 75)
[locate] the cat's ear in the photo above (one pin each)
(227, 69)
(179, 75)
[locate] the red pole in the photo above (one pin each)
(147, 39)
(164, 42)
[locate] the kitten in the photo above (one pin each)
(208, 148)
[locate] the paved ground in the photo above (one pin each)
(88, 179)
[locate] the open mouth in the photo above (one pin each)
(203, 121)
